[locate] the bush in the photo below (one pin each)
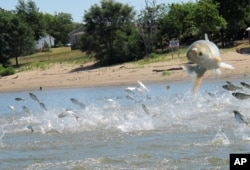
(46, 47)
(6, 71)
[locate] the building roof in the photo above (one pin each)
(78, 31)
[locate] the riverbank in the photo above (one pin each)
(71, 76)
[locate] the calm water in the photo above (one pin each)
(165, 128)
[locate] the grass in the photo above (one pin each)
(166, 73)
(164, 57)
(44, 60)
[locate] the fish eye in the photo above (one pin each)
(200, 53)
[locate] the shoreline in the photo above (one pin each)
(65, 76)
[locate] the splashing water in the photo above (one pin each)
(159, 128)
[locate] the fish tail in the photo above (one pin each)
(199, 71)
(197, 84)
(226, 66)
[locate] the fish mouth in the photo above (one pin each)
(192, 53)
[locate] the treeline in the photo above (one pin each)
(115, 33)
(22, 27)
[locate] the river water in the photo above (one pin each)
(164, 128)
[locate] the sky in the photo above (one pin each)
(76, 7)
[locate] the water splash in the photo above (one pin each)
(221, 139)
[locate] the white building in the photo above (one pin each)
(48, 38)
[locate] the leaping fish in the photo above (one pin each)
(68, 112)
(73, 100)
(142, 86)
(32, 96)
(144, 107)
(245, 85)
(231, 87)
(12, 108)
(19, 99)
(42, 105)
(239, 117)
(26, 110)
(241, 96)
(206, 56)
(30, 128)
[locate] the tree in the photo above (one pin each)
(5, 17)
(148, 22)
(109, 32)
(178, 22)
(207, 18)
(188, 21)
(61, 26)
(16, 37)
(237, 15)
(30, 14)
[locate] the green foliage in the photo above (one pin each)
(29, 13)
(183, 21)
(113, 33)
(16, 37)
(179, 21)
(59, 26)
(166, 73)
(59, 44)
(6, 71)
(237, 15)
(148, 24)
(109, 33)
(46, 47)
(207, 18)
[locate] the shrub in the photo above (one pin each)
(46, 47)
(6, 71)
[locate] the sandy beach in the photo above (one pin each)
(71, 76)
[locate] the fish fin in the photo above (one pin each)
(206, 37)
(218, 71)
(226, 66)
(200, 71)
(191, 69)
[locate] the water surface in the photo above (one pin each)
(165, 128)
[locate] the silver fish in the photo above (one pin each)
(67, 113)
(19, 99)
(245, 85)
(142, 87)
(63, 114)
(73, 100)
(241, 96)
(144, 107)
(229, 82)
(42, 105)
(32, 96)
(12, 108)
(31, 128)
(130, 89)
(131, 97)
(206, 56)
(26, 110)
(239, 117)
(231, 87)
(73, 114)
